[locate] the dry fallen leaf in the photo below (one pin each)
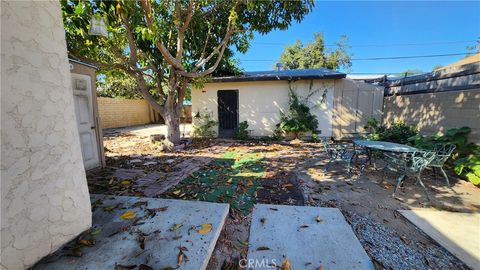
(263, 248)
(87, 243)
(180, 258)
(128, 215)
(320, 267)
(204, 228)
(176, 192)
(125, 183)
(176, 227)
(286, 265)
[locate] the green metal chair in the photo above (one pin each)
(442, 153)
(337, 152)
(408, 165)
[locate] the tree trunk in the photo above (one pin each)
(172, 120)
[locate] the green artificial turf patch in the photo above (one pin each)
(231, 179)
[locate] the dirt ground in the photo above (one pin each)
(292, 173)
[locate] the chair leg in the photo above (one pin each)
(328, 165)
(434, 173)
(399, 182)
(423, 186)
(446, 177)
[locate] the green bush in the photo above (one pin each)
(298, 119)
(399, 132)
(241, 132)
(203, 124)
(465, 158)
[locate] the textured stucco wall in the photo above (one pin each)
(436, 112)
(118, 112)
(260, 102)
(45, 198)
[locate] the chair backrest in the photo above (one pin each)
(419, 160)
(442, 153)
(325, 143)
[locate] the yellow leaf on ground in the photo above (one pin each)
(125, 182)
(286, 265)
(229, 180)
(204, 228)
(176, 192)
(176, 227)
(128, 215)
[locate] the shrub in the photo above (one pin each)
(399, 132)
(241, 132)
(466, 157)
(298, 119)
(203, 124)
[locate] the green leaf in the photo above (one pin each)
(80, 8)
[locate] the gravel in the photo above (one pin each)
(391, 251)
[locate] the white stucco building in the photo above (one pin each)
(342, 106)
(45, 201)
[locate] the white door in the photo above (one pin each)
(82, 96)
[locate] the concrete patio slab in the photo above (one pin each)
(309, 237)
(160, 230)
(456, 232)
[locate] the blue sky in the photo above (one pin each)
(385, 24)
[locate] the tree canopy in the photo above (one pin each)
(166, 45)
(316, 55)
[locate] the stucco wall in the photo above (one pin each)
(260, 103)
(117, 112)
(436, 112)
(45, 200)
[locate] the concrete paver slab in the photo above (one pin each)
(308, 236)
(118, 240)
(459, 233)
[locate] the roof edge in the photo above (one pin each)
(277, 78)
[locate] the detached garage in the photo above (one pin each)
(342, 106)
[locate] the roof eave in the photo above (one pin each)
(279, 78)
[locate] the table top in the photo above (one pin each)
(385, 146)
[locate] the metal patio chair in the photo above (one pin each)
(442, 153)
(337, 152)
(408, 165)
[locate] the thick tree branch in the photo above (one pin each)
(163, 50)
(224, 45)
(181, 30)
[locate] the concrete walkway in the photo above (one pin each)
(147, 130)
(155, 234)
(309, 237)
(459, 233)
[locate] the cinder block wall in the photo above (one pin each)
(45, 200)
(116, 112)
(433, 112)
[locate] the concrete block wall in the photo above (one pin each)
(45, 201)
(437, 111)
(117, 112)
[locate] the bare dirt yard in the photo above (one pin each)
(244, 173)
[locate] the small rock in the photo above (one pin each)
(135, 160)
(169, 161)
